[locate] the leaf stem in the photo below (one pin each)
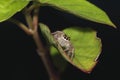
(35, 18)
(42, 50)
(28, 18)
(32, 7)
(32, 29)
(21, 25)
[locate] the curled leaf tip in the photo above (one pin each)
(114, 25)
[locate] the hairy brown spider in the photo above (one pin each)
(64, 42)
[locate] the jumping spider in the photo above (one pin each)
(64, 42)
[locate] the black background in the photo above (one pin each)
(19, 60)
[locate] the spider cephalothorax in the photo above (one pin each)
(64, 42)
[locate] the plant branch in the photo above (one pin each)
(35, 18)
(32, 29)
(32, 7)
(43, 51)
(22, 26)
(27, 12)
(28, 18)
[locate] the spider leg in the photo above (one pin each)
(69, 52)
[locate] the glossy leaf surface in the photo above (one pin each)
(81, 8)
(9, 7)
(86, 44)
(87, 47)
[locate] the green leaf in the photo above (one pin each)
(58, 60)
(9, 7)
(81, 8)
(87, 47)
(86, 44)
(47, 34)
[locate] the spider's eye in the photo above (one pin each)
(66, 37)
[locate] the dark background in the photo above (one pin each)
(19, 60)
